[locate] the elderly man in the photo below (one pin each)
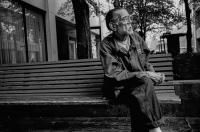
(129, 78)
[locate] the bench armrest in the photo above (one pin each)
(180, 82)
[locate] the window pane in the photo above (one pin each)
(95, 40)
(35, 36)
(12, 44)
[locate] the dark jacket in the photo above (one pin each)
(120, 65)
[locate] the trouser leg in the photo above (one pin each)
(138, 123)
(139, 95)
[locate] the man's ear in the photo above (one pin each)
(113, 26)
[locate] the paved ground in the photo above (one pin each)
(99, 124)
(168, 124)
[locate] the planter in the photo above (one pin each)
(187, 67)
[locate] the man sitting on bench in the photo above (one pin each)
(129, 78)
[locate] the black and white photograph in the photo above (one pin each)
(99, 65)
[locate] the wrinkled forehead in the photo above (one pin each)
(120, 13)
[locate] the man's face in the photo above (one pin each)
(123, 22)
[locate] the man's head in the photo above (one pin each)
(119, 20)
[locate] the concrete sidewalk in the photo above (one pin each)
(96, 124)
(122, 124)
(103, 119)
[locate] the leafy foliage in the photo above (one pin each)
(97, 7)
(150, 15)
(188, 7)
(66, 10)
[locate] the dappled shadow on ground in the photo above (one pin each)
(91, 124)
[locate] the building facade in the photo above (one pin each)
(41, 30)
(197, 26)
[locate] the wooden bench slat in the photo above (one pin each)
(165, 64)
(72, 86)
(34, 81)
(51, 66)
(44, 97)
(166, 83)
(58, 90)
(53, 82)
(184, 82)
(164, 87)
(48, 100)
(66, 94)
(54, 99)
(27, 70)
(160, 69)
(53, 78)
(47, 86)
(160, 55)
(73, 94)
(168, 73)
(61, 82)
(74, 61)
(169, 76)
(68, 91)
(159, 87)
(73, 67)
(164, 91)
(88, 68)
(65, 64)
(51, 63)
(153, 60)
(46, 69)
(22, 75)
(65, 73)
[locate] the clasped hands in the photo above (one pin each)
(156, 77)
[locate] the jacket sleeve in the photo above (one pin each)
(148, 66)
(112, 67)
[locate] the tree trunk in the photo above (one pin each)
(81, 11)
(142, 31)
(189, 29)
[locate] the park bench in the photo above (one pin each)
(71, 82)
(63, 89)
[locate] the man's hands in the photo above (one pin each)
(142, 74)
(157, 78)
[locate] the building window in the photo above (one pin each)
(95, 41)
(22, 36)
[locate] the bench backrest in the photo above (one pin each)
(65, 78)
(163, 63)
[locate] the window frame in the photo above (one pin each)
(27, 6)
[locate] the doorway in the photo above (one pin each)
(66, 45)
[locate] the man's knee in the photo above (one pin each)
(146, 81)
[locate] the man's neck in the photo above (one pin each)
(120, 37)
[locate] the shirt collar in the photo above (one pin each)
(119, 48)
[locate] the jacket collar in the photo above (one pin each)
(121, 49)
